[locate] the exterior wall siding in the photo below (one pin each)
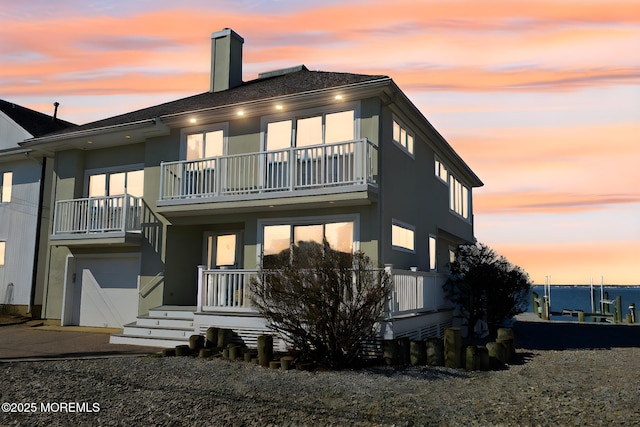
(18, 225)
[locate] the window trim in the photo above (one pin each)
(406, 226)
(295, 115)
(202, 129)
(437, 161)
(308, 220)
(109, 171)
(408, 132)
(433, 262)
(6, 189)
(3, 259)
(453, 196)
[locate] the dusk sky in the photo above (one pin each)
(540, 98)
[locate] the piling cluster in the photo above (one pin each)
(218, 342)
(448, 351)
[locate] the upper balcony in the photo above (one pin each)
(115, 220)
(346, 171)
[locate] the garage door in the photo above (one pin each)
(105, 291)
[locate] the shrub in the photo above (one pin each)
(323, 302)
(486, 286)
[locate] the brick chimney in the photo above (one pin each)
(226, 60)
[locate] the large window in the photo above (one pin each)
(280, 239)
(222, 250)
(441, 170)
(458, 197)
(6, 181)
(459, 194)
(403, 236)
(315, 129)
(433, 265)
(117, 182)
(203, 145)
(402, 137)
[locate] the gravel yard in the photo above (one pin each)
(543, 387)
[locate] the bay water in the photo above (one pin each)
(578, 297)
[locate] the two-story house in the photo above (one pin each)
(164, 214)
(23, 184)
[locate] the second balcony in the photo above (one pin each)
(344, 172)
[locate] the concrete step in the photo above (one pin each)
(146, 341)
(133, 329)
(165, 322)
(174, 312)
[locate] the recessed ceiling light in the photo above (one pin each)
(338, 97)
(279, 107)
(241, 113)
(193, 120)
(127, 136)
(89, 142)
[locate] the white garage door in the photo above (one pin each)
(105, 292)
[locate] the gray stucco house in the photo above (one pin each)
(23, 185)
(162, 215)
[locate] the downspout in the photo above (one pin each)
(34, 273)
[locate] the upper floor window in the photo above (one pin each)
(441, 170)
(114, 183)
(6, 183)
(402, 137)
(403, 236)
(433, 265)
(205, 144)
(2, 251)
(326, 128)
(459, 196)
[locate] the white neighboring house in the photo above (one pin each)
(22, 190)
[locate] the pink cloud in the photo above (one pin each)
(576, 263)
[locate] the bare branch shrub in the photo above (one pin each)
(324, 302)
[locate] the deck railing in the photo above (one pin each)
(291, 169)
(413, 292)
(98, 215)
(224, 290)
(417, 291)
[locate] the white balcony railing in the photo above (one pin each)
(417, 291)
(413, 292)
(98, 215)
(296, 168)
(220, 290)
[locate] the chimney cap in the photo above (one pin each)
(226, 32)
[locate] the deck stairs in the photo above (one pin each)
(164, 326)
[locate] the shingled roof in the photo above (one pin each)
(271, 86)
(34, 122)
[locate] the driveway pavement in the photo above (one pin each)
(23, 342)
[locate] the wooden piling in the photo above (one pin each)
(265, 350)
(390, 352)
(452, 348)
(196, 342)
(497, 358)
(285, 362)
(224, 337)
(535, 304)
(435, 352)
(404, 352)
(211, 337)
(418, 350)
(472, 358)
(618, 309)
